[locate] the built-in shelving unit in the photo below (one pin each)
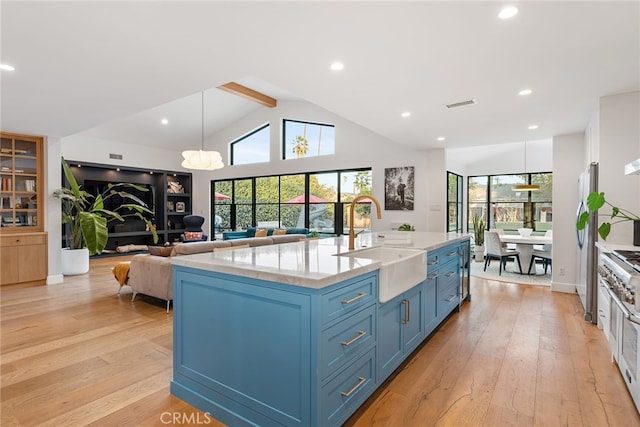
(168, 195)
(23, 242)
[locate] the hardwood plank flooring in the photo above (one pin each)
(76, 354)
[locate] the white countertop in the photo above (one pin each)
(311, 263)
(610, 247)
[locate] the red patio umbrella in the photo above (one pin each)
(220, 196)
(301, 198)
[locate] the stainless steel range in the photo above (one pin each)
(619, 280)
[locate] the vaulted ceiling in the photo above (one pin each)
(113, 70)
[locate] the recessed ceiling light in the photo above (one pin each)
(406, 114)
(165, 121)
(441, 138)
(508, 12)
(532, 127)
(337, 66)
(525, 92)
(7, 67)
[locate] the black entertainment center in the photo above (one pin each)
(168, 196)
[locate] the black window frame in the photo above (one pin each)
(245, 136)
(283, 145)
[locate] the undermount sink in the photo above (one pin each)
(400, 269)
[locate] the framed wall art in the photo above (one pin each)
(180, 207)
(398, 189)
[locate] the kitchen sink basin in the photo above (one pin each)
(400, 268)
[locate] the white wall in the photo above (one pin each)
(568, 155)
(356, 147)
(52, 209)
(618, 144)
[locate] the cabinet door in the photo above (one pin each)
(430, 303)
(413, 319)
(9, 265)
(390, 342)
(33, 265)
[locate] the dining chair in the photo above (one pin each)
(544, 253)
(495, 250)
(500, 232)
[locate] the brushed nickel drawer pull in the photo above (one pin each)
(433, 276)
(356, 298)
(452, 298)
(451, 273)
(452, 253)
(407, 311)
(360, 335)
(434, 262)
(361, 380)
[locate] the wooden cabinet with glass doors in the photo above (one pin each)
(21, 208)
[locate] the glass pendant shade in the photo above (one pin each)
(201, 159)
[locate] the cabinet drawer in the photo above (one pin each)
(448, 296)
(449, 253)
(433, 262)
(344, 393)
(346, 300)
(346, 340)
(448, 271)
(23, 240)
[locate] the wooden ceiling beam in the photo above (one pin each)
(250, 94)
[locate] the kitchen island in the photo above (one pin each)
(295, 334)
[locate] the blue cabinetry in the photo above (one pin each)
(400, 329)
(254, 352)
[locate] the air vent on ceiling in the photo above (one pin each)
(115, 156)
(460, 104)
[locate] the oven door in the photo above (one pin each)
(629, 362)
(617, 314)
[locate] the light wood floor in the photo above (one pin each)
(77, 354)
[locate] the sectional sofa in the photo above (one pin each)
(251, 232)
(152, 275)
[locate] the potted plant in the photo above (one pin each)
(406, 227)
(479, 227)
(87, 219)
(596, 201)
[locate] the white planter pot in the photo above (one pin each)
(75, 261)
(478, 253)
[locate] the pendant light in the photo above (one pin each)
(200, 159)
(526, 187)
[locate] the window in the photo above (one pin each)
(454, 202)
(305, 139)
(493, 198)
(252, 147)
(318, 201)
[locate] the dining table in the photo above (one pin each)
(524, 245)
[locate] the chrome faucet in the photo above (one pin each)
(352, 234)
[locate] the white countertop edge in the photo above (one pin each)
(423, 241)
(610, 247)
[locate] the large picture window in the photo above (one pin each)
(252, 147)
(306, 139)
(494, 198)
(319, 201)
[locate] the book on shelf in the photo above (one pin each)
(6, 184)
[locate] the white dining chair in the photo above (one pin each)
(496, 250)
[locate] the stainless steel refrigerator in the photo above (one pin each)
(587, 277)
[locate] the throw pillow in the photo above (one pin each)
(193, 235)
(160, 250)
(279, 232)
(261, 232)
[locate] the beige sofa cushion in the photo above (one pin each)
(251, 241)
(286, 238)
(198, 247)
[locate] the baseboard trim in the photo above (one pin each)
(568, 288)
(55, 279)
